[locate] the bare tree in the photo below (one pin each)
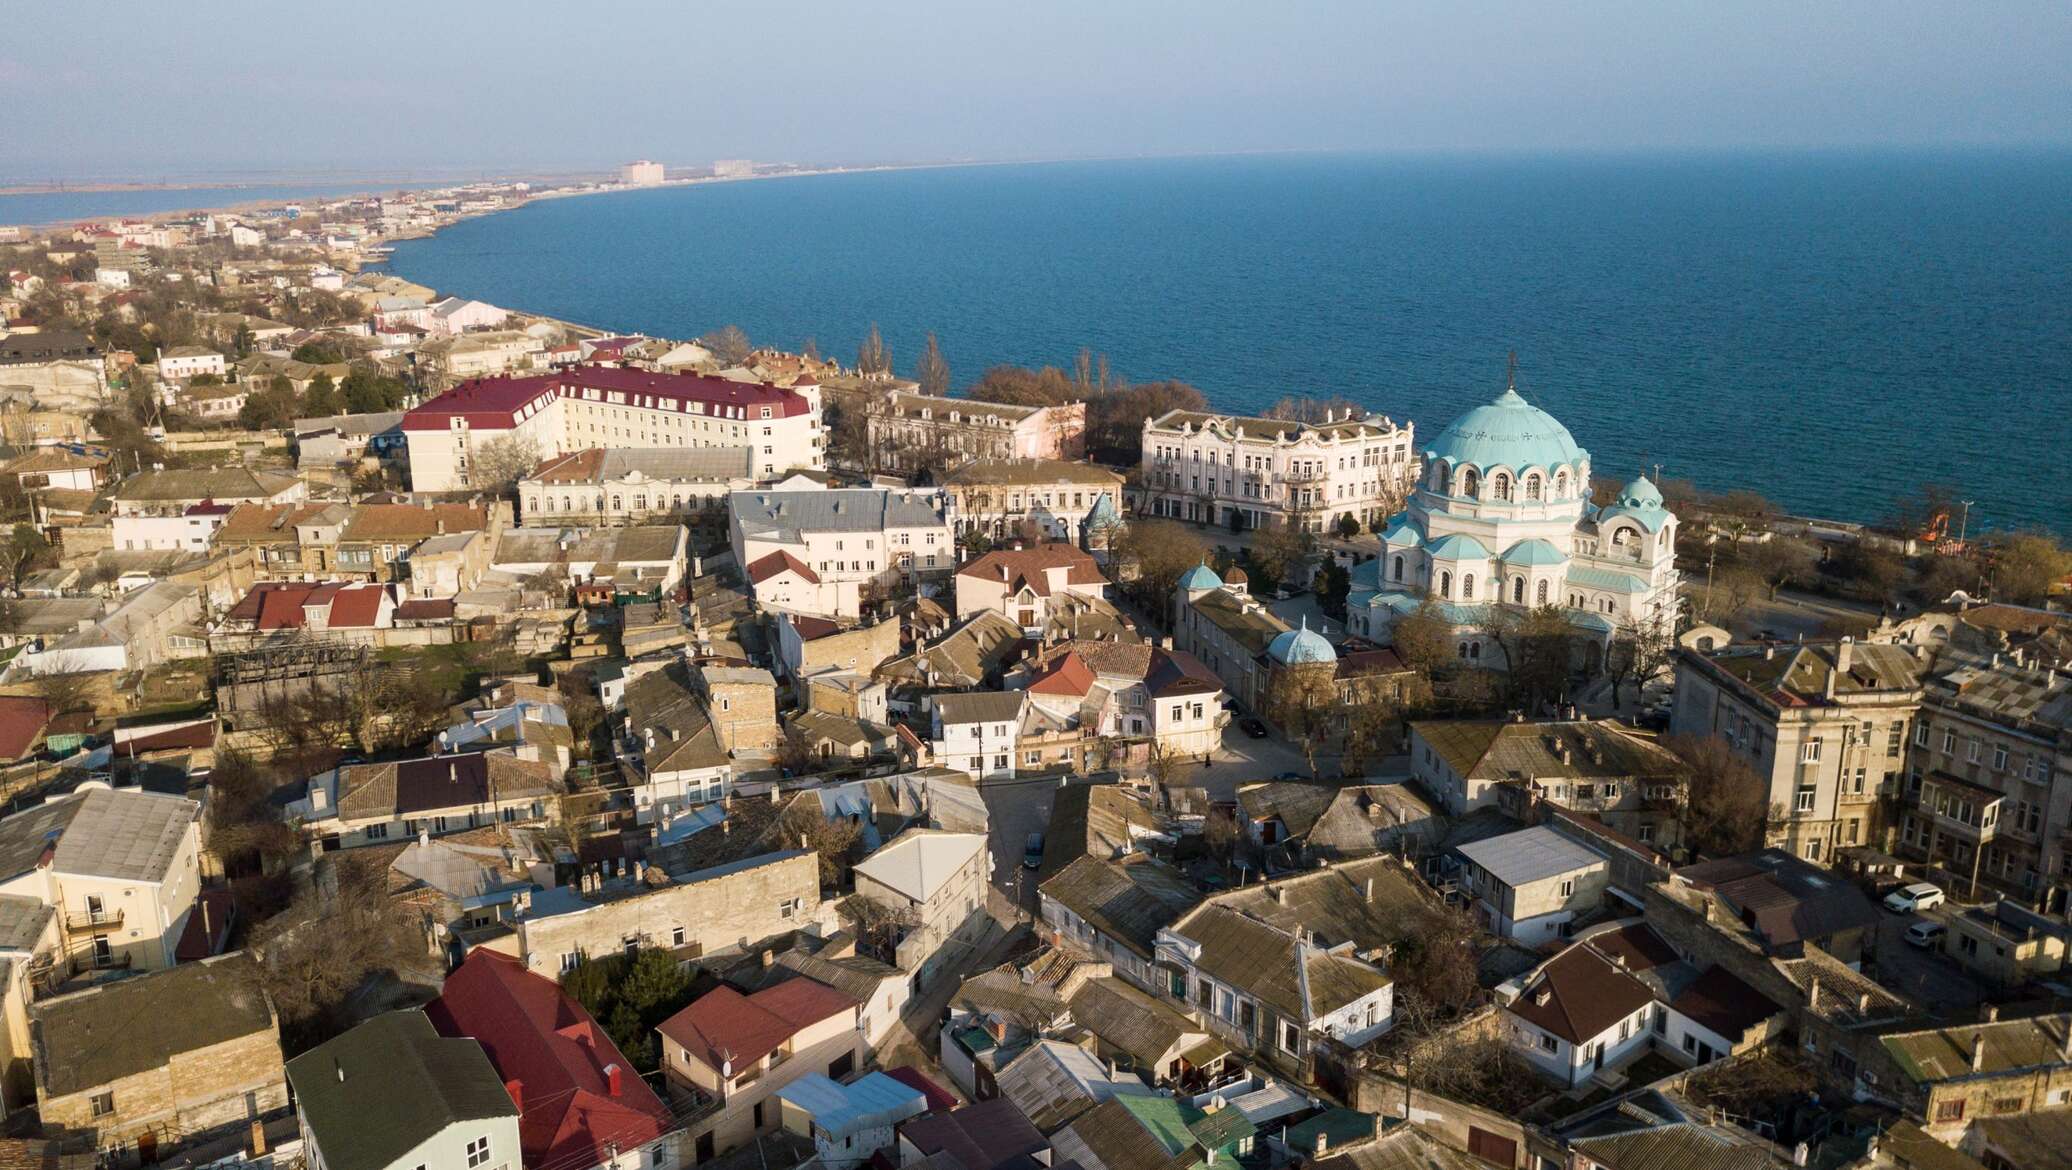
(331, 940)
(833, 839)
(1423, 638)
(1724, 800)
(934, 370)
(873, 358)
(729, 345)
(502, 462)
(1302, 700)
(1781, 561)
(1304, 409)
(1637, 651)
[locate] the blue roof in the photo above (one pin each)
(841, 1110)
(1507, 432)
(1458, 547)
(1103, 511)
(1642, 501)
(1611, 579)
(1533, 552)
(1297, 647)
(1200, 577)
(1458, 615)
(1366, 574)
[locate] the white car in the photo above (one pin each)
(1919, 896)
(1926, 935)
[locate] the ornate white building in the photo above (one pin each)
(1211, 468)
(1502, 516)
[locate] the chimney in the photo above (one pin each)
(1280, 895)
(258, 1138)
(1370, 889)
(769, 958)
(1845, 653)
(613, 1078)
(1978, 1051)
(1323, 1144)
(516, 1089)
(1813, 996)
(1992, 1013)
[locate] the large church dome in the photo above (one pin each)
(1508, 432)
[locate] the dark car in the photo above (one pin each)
(1254, 728)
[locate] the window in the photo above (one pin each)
(1549, 1043)
(103, 1104)
(1921, 734)
(1809, 752)
(1950, 1110)
(1949, 743)
(570, 960)
(2000, 757)
(1803, 802)
(478, 1151)
(790, 907)
(1568, 887)
(1291, 1037)
(676, 937)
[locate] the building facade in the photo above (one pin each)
(1039, 499)
(1245, 472)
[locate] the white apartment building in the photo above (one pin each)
(182, 362)
(599, 406)
(817, 550)
(633, 485)
(975, 732)
(1212, 468)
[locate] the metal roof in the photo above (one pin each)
(1536, 854)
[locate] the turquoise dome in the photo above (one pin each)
(1402, 532)
(1200, 577)
(1300, 647)
(1533, 552)
(1103, 511)
(1458, 547)
(1642, 501)
(1508, 432)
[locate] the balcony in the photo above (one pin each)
(1959, 808)
(93, 922)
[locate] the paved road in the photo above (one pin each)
(1929, 978)
(1015, 809)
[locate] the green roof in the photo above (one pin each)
(1611, 579)
(379, 1091)
(1166, 1117)
(1339, 1125)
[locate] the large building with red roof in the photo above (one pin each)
(580, 1104)
(727, 1054)
(607, 406)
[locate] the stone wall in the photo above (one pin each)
(732, 910)
(196, 1095)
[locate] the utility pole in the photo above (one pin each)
(1964, 526)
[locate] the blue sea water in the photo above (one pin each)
(50, 207)
(1832, 330)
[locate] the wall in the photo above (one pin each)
(196, 1093)
(729, 910)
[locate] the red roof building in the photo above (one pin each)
(22, 719)
(778, 562)
(579, 1100)
(501, 403)
(730, 1031)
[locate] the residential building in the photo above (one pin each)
(456, 315)
(1502, 517)
(1301, 820)
(183, 509)
(1130, 1132)
(393, 1094)
(1245, 472)
(370, 804)
(1053, 1082)
(669, 747)
(848, 1123)
(627, 485)
(56, 467)
(199, 1058)
(1034, 499)
(2006, 944)
(448, 358)
(1602, 768)
(824, 551)
(1580, 1013)
(690, 914)
(741, 702)
(155, 624)
(935, 883)
(377, 540)
(810, 646)
(178, 363)
(580, 1104)
(1959, 1080)
(598, 406)
(727, 1056)
(1988, 797)
(984, 1135)
(1531, 884)
(641, 173)
(909, 431)
(121, 869)
(1129, 691)
(647, 560)
(976, 732)
(1824, 724)
(1020, 583)
(279, 610)
(1786, 903)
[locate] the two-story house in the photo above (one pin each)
(976, 732)
(1023, 584)
(932, 886)
(1531, 884)
(728, 1055)
(393, 1094)
(121, 869)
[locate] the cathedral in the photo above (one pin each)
(1502, 517)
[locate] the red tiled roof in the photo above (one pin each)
(425, 609)
(191, 736)
(1065, 676)
(777, 562)
(22, 718)
(1578, 994)
(1008, 565)
(813, 628)
(357, 606)
(725, 1027)
(278, 605)
(494, 403)
(544, 1045)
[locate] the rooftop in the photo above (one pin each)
(375, 1093)
(96, 1037)
(1535, 854)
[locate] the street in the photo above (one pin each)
(1928, 977)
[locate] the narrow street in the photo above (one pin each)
(914, 1040)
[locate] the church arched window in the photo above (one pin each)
(1474, 649)
(1446, 584)
(1532, 486)
(1501, 486)
(1464, 484)
(1518, 590)
(1561, 485)
(1467, 587)
(1541, 593)
(1463, 649)
(1398, 567)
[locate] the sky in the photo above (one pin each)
(118, 89)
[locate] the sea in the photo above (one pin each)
(1832, 330)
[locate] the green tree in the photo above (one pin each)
(267, 409)
(366, 391)
(317, 353)
(1333, 584)
(1347, 526)
(934, 371)
(2026, 566)
(321, 399)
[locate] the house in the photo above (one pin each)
(1578, 1014)
(183, 509)
(2006, 944)
(344, 439)
(368, 804)
(1531, 884)
(56, 467)
(580, 1104)
(1053, 1082)
(908, 431)
(140, 1068)
(1019, 583)
(454, 890)
(524, 719)
(824, 551)
(1335, 823)
(1785, 903)
(1114, 910)
(1598, 767)
(984, 1135)
(1824, 724)
(848, 1123)
(741, 702)
(155, 624)
(290, 542)
(393, 1094)
(1957, 1080)
(1040, 499)
(1129, 691)
(451, 315)
(337, 611)
(633, 485)
(669, 746)
(808, 646)
(178, 363)
(879, 988)
(644, 560)
(977, 652)
(934, 885)
(1130, 1132)
(121, 869)
(727, 1055)
(976, 732)
(728, 906)
(378, 539)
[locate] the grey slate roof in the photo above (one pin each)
(22, 921)
(126, 835)
(785, 515)
(375, 1093)
(1682, 1145)
(980, 707)
(220, 484)
(1128, 900)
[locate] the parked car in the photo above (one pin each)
(1918, 896)
(1032, 851)
(1926, 934)
(1254, 728)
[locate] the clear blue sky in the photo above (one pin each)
(117, 88)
